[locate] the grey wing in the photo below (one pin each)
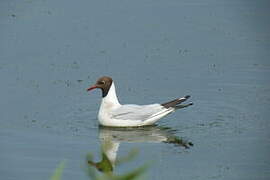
(136, 112)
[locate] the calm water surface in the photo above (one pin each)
(218, 52)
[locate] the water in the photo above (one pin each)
(218, 52)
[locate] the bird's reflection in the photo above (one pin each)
(111, 138)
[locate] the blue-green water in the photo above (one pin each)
(218, 52)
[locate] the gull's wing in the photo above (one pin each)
(136, 112)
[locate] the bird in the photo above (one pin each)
(113, 114)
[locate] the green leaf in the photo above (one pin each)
(58, 171)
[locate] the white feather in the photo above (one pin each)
(112, 113)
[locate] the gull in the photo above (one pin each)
(112, 113)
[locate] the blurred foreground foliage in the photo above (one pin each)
(58, 171)
(106, 167)
(103, 170)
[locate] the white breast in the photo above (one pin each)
(108, 104)
(112, 113)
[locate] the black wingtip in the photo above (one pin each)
(175, 103)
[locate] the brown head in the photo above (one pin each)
(104, 83)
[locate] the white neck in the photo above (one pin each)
(111, 96)
(108, 104)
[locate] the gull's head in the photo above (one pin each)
(104, 83)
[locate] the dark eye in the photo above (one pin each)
(101, 82)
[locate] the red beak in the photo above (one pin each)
(91, 88)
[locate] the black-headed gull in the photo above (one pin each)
(112, 113)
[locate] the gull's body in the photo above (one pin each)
(112, 113)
